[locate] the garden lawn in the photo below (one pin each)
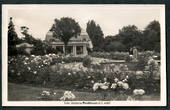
(18, 92)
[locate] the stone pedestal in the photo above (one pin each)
(135, 54)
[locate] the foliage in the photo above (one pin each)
(151, 37)
(39, 46)
(39, 70)
(65, 28)
(12, 39)
(130, 36)
(115, 46)
(96, 35)
(128, 58)
(87, 61)
(110, 55)
(143, 60)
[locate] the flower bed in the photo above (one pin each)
(41, 70)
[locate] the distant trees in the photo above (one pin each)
(65, 28)
(96, 35)
(130, 36)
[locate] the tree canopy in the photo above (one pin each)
(96, 35)
(65, 28)
(12, 38)
(130, 36)
(151, 36)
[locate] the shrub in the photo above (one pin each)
(143, 59)
(87, 61)
(110, 55)
(37, 70)
(128, 58)
(66, 59)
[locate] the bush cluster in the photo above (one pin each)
(110, 55)
(39, 70)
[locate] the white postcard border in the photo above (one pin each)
(5, 102)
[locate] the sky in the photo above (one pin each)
(111, 18)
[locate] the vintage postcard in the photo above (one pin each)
(83, 55)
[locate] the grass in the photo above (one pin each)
(19, 92)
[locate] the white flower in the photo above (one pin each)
(26, 58)
(139, 73)
(150, 61)
(45, 93)
(113, 86)
(116, 80)
(35, 72)
(120, 83)
(92, 81)
(68, 95)
(29, 68)
(69, 74)
(126, 66)
(18, 74)
(125, 80)
(125, 86)
(104, 87)
(25, 63)
(130, 98)
(105, 79)
(96, 86)
(32, 55)
(138, 92)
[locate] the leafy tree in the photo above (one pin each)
(151, 36)
(115, 46)
(38, 48)
(130, 36)
(154, 26)
(65, 28)
(96, 35)
(12, 38)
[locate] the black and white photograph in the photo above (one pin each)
(83, 55)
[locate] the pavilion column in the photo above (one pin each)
(84, 50)
(74, 50)
(64, 49)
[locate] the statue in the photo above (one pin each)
(135, 54)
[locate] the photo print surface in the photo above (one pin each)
(83, 55)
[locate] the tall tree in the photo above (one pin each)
(154, 26)
(12, 38)
(96, 35)
(130, 36)
(151, 35)
(65, 28)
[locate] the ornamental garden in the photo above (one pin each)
(73, 64)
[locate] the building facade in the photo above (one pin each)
(77, 46)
